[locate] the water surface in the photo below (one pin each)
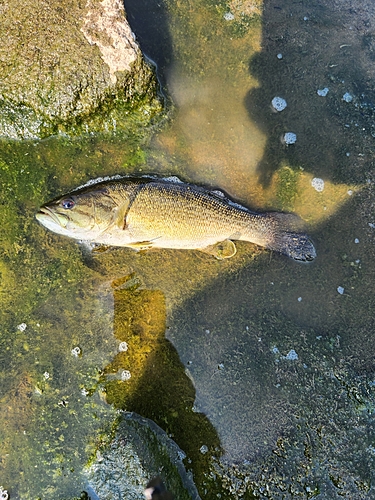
(260, 368)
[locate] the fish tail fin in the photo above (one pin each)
(289, 239)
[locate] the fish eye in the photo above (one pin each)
(68, 203)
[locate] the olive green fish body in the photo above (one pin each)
(156, 213)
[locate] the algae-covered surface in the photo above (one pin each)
(261, 369)
(71, 69)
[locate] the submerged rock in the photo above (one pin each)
(70, 68)
(139, 451)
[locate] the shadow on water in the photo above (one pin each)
(308, 48)
(147, 376)
(281, 359)
(148, 20)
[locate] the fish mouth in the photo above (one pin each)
(45, 214)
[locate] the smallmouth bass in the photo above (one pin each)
(149, 212)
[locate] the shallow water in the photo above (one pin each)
(260, 360)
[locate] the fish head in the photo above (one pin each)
(82, 215)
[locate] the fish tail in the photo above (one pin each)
(288, 239)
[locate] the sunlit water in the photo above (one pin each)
(265, 363)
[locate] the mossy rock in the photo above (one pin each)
(71, 68)
(139, 451)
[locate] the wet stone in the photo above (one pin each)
(139, 452)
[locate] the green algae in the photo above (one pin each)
(287, 188)
(50, 416)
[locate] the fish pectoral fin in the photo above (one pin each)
(222, 250)
(141, 245)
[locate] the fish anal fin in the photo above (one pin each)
(140, 245)
(222, 250)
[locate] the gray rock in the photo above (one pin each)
(139, 451)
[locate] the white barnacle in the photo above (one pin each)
(347, 97)
(292, 355)
(76, 351)
(123, 346)
(317, 184)
(289, 138)
(278, 103)
(125, 375)
(228, 16)
(3, 494)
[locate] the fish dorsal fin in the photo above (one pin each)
(222, 250)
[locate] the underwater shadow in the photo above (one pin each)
(149, 21)
(148, 378)
(316, 59)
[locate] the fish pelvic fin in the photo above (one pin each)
(222, 250)
(289, 239)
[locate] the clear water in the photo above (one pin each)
(265, 363)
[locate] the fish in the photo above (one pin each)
(150, 212)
